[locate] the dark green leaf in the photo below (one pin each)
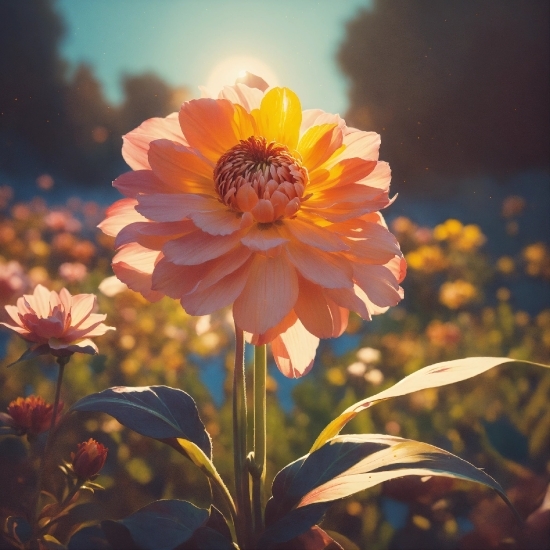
(154, 411)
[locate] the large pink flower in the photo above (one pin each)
(247, 200)
(59, 324)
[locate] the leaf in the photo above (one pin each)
(351, 463)
(433, 376)
(161, 525)
(31, 353)
(89, 538)
(159, 412)
(313, 539)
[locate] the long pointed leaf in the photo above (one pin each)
(433, 376)
(159, 412)
(346, 464)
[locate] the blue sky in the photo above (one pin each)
(183, 40)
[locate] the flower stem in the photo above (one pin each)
(61, 361)
(240, 441)
(259, 460)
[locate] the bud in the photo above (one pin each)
(30, 415)
(88, 459)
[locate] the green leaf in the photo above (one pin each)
(161, 525)
(159, 412)
(350, 463)
(433, 376)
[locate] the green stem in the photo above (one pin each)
(61, 361)
(259, 459)
(62, 506)
(240, 441)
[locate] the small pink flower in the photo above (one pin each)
(88, 459)
(73, 272)
(13, 281)
(59, 324)
(30, 415)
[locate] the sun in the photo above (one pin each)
(226, 72)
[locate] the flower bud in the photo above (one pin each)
(30, 415)
(88, 459)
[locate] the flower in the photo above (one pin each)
(59, 324)
(246, 200)
(30, 415)
(74, 272)
(88, 459)
(13, 281)
(455, 294)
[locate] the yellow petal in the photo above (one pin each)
(279, 117)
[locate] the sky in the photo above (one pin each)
(183, 41)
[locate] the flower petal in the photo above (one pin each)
(294, 351)
(318, 143)
(319, 314)
(329, 270)
(81, 307)
(312, 235)
(249, 97)
(153, 235)
(131, 184)
(260, 238)
(269, 295)
(280, 116)
(379, 284)
(199, 247)
(252, 81)
(221, 294)
(346, 171)
(133, 265)
(181, 168)
(120, 214)
(135, 144)
(176, 280)
(213, 126)
(174, 208)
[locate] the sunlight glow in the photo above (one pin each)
(226, 72)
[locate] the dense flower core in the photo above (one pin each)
(262, 178)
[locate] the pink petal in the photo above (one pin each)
(244, 94)
(133, 265)
(269, 295)
(131, 184)
(380, 177)
(84, 346)
(316, 117)
(347, 298)
(379, 284)
(135, 144)
(329, 270)
(360, 144)
(217, 269)
(294, 351)
(153, 235)
(221, 294)
(176, 280)
(174, 208)
(81, 306)
(199, 247)
(40, 301)
(120, 214)
(252, 81)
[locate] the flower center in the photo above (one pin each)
(262, 178)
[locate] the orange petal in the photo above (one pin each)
(213, 126)
(135, 144)
(223, 293)
(343, 173)
(280, 116)
(378, 283)
(261, 239)
(329, 270)
(199, 247)
(176, 280)
(268, 336)
(181, 168)
(222, 221)
(294, 351)
(269, 295)
(320, 315)
(152, 235)
(318, 143)
(131, 184)
(313, 235)
(360, 144)
(174, 208)
(217, 269)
